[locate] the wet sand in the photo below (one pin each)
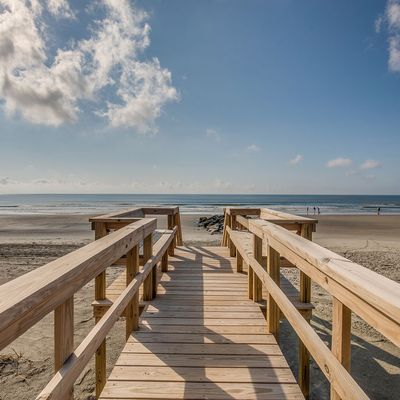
(27, 242)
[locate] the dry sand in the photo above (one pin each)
(27, 242)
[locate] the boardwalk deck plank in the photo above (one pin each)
(201, 338)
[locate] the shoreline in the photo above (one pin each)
(332, 230)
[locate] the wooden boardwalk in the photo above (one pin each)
(201, 338)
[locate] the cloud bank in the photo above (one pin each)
(370, 164)
(339, 162)
(391, 19)
(104, 68)
(253, 148)
(296, 159)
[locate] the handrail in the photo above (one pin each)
(338, 376)
(27, 299)
(64, 379)
(117, 219)
(354, 288)
(373, 297)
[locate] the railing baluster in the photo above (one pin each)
(232, 249)
(341, 336)
(164, 262)
(250, 276)
(273, 313)
(64, 336)
(257, 284)
(305, 297)
(148, 283)
(239, 262)
(132, 311)
(170, 225)
(100, 294)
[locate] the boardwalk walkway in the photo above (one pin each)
(201, 338)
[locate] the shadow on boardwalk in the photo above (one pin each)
(211, 356)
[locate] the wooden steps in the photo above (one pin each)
(201, 338)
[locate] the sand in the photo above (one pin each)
(27, 242)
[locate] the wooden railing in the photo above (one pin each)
(27, 299)
(354, 288)
(239, 219)
(103, 225)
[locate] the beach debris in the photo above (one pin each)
(213, 224)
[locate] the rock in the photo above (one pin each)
(213, 224)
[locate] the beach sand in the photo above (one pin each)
(27, 242)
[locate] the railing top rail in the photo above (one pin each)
(380, 292)
(161, 210)
(270, 215)
(128, 212)
(242, 211)
(273, 215)
(27, 299)
(136, 212)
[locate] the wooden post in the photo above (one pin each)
(224, 233)
(171, 227)
(64, 337)
(179, 240)
(257, 284)
(229, 223)
(233, 222)
(250, 277)
(305, 297)
(132, 311)
(164, 262)
(147, 253)
(341, 336)
(171, 251)
(232, 249)
(154, 279)
(100, 294)
(273, 313)
(239, 262)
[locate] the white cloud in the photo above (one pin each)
(370, 164)
(4, 181)
(392, 19)
(253, 148)
(60, 8)
(339, 162)
(296, 159)
(378, 24)
(393, 14)
(213, 134)
(50, 91)
(394, 54)
(221, 184)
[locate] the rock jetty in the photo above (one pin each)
(213, 224)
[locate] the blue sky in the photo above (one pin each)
(268, 96)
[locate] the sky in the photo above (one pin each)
(187, 96)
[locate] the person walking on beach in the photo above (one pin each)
(379, 211)
(307, 210)
(319, 212)
(314, 210)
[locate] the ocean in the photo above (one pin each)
(196, 203)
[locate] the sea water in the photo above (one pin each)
(197, 203)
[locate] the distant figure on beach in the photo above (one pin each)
(314, 210)
(307, 210)
(379, 211)
(319, 212)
